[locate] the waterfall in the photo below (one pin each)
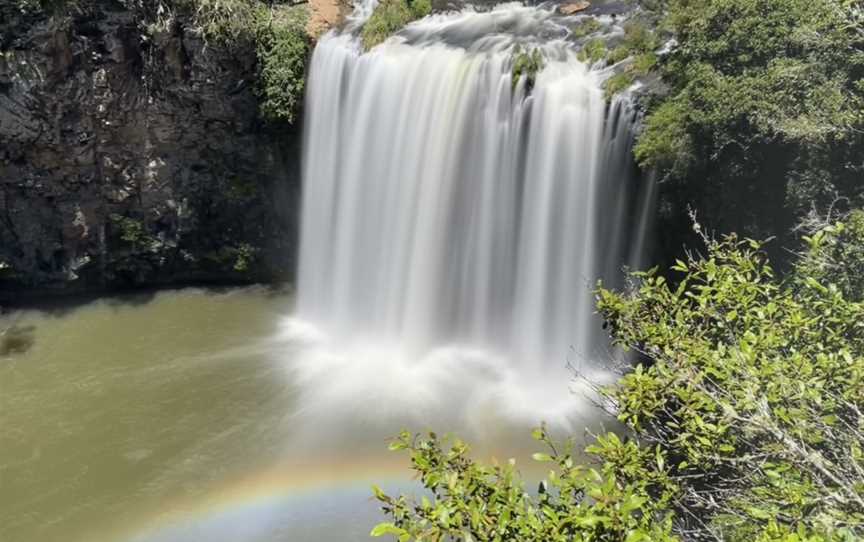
(445, 204)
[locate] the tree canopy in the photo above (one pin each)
(763, 106)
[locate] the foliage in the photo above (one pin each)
(755, 388)
(134, 232)
(593, 51)
(470, 501)
(244, 256)
(640, 65)
(527, 64)
(240, 258)
(282, 48)
(836, 254)
(389, 16)
(638, 38)
(276, 32)
(225, 21)
(761, 92)
(586, 27)
(746, 416)
(280, 40)
(637, 47)
(617, 83)
(221, 20)
(15, 15)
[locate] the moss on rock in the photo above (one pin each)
(390, 16)
(526, 64)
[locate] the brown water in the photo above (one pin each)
(119, 405)
(180, 417)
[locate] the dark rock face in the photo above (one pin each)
(131, 156)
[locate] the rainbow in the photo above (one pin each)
(291, 503)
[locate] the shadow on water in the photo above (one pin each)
(66, 304)
(16, 340)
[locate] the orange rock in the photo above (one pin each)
(573, 7)
(326, 14)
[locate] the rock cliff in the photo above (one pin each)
(133, 155)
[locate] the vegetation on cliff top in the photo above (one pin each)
(764, 103)
(281, 44)
(389, 16)
(633, 52)
(746, 418)
(526, 64)
(282, 48)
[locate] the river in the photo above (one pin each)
(186, 415)
(157, 417)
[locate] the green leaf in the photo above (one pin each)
(386, 528)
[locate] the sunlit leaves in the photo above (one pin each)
(755, 386)
(470, 501)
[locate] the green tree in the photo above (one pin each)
(745, 410)
(763, 104)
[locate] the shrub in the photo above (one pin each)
(224, 20)
(746, 416)
(240, 258)
(755, 389)
(245, 257)
(640, 66)
(134, 232)
(618, 83)
(526, 64)
(389, 16)
(282, 48)
(474, 502)
(835, 254)
(586, 27)
(593, 51)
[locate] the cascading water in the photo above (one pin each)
(455, 220)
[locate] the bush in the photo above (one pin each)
(389, 16)
(225, 21)
(746, 416)
(134, 232)
(586, 27)
(282, 48)
(526, 64)
(593, 51)
(276, 32)
(755, 389)
(835, 254)
(474, 502)
(638, 44)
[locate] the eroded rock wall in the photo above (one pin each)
(133, 155)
